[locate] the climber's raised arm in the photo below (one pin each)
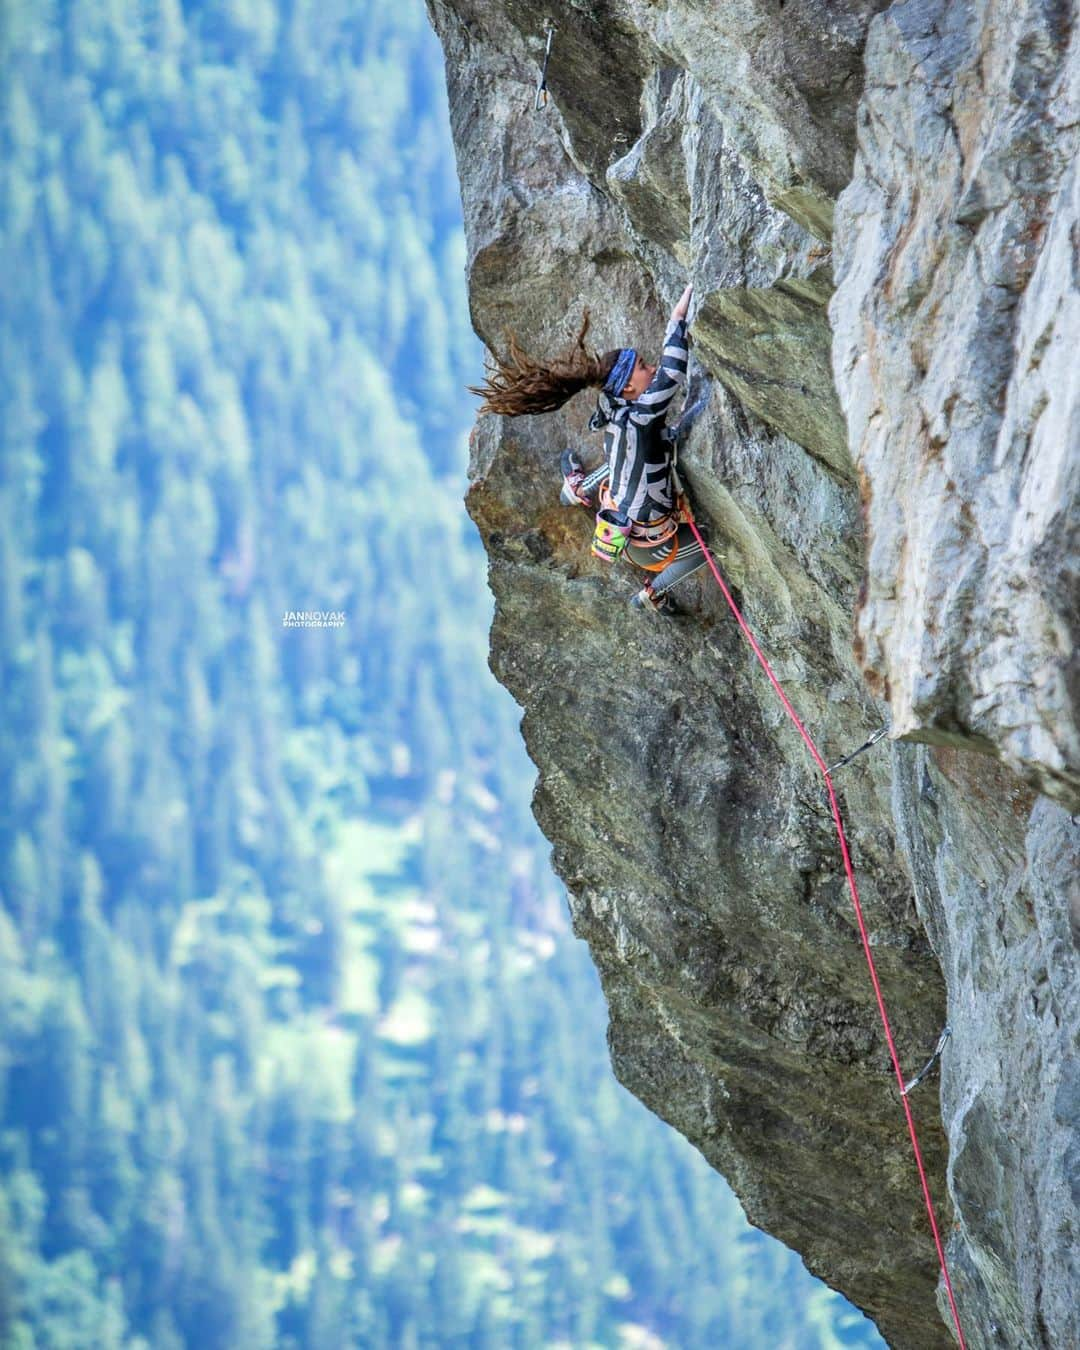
(682, 305)
(670, 373)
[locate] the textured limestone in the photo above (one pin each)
(685, 817)
(957, 314)
(763, 280)
(784, 76)
(995, 871)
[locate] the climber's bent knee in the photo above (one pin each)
(672, 560)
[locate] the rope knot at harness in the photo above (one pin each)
(905, 1087)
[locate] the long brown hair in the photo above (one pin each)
(517, 384)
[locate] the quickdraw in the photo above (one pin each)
(870, 740)
(914, 1083)
(541, 99)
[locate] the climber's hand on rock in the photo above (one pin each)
(683, 307)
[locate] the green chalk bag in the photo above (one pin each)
(611, 534)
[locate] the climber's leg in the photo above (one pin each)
(644, 599)
(580, 488)
(677, 557)
(689, 557)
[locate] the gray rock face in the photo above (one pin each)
(690, 826)
(957, 315)
(994, 871)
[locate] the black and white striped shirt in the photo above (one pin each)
(639, 461)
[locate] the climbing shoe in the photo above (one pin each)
(573, 472)
(657, 604)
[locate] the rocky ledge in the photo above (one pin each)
(879, 207)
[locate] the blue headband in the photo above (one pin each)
(621, 371)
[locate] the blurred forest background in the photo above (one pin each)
(296, 1047)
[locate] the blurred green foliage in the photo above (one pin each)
(296, 1048)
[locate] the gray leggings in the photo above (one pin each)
(688, 557)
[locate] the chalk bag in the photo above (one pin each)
(611, 533)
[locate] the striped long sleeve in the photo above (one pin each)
(670, 373)
(638, 458)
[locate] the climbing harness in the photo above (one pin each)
(870, 740)
(642, 533)
(853, 888)
(910, 1087)
(541, 99)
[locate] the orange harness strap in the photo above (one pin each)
(654, 532)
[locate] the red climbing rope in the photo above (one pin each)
(855, 901)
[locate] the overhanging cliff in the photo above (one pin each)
(888, 193)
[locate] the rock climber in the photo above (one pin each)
(633, 490)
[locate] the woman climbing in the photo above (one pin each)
(634, 487)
